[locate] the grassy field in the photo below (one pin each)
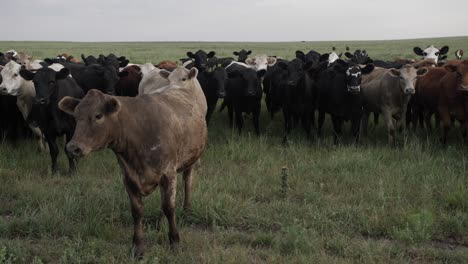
(342, 204)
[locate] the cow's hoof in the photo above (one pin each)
(174, 239)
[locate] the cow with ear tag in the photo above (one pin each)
(154, 137)
(51, 87)
(339, 95)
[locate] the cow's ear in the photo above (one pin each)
(394, 72)
(283, 65)
(122, 74)
(27, 75)
(422, 71)
(444, 50)
(123, 63)
(165, 74)
(193, 73)
(68, 104)
(111, 105)
(324, 57)
(250, 61)
(249, 52)
(418, 51)
(450, 68)
(210, 54)
(190, 55)
(271, 61)
(236, 53)
(300, 55)
(62, 74)
(339, 55)
(348, 55)
(368, 69)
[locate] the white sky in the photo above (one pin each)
(225, 20)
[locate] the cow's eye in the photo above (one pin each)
(183, 79)
(437, 53)
(98, 116)
(15, 75)
(424, 53)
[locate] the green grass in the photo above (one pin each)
(344, 204)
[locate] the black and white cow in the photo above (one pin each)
(432, 52)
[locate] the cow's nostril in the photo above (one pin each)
(74, 150)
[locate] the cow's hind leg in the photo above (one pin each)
(187, 174)
(168, 188)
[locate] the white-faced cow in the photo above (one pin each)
(432, 52)
(13, 84)
(153, 137)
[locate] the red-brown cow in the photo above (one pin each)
(128, 83)
(453, 99)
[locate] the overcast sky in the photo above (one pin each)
(225, 20)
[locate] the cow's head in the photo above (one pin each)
(45, 82)
(200, 57)
(407, 77)
(251, 85)
(461, 71)
(242, 55)
(353, 74)
(96, 118)
(180, 77)
(89, 60)
(432, 52)
(261, 62)
(359, 57)
(218, 78)
(332, 57)
(295, 71)
(11, 79)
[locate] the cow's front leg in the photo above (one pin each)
(136, 205)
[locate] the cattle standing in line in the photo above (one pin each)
(13, 84)
(153, 136)
(388, 91)
(243, 95)
(453, 99)
(432, 52)
(339, 94)
(51, 87)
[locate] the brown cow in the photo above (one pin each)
(67, 57)
(453, 99)
(167, 65)
(153, 136)
(128, 83)
(388, 91)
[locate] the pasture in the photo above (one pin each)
(366, 203)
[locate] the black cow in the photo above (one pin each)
(242, 55)
(358, 57)
(244, 95)
(338, 94)
(213, 86)
(51, 87)
(274, 87)
(200, 59)
(298, 97)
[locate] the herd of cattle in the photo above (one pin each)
(154, 117)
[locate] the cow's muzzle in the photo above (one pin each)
(41, 101)
(463, 88)
(75, 150)
(354, 89)
(409, 90)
